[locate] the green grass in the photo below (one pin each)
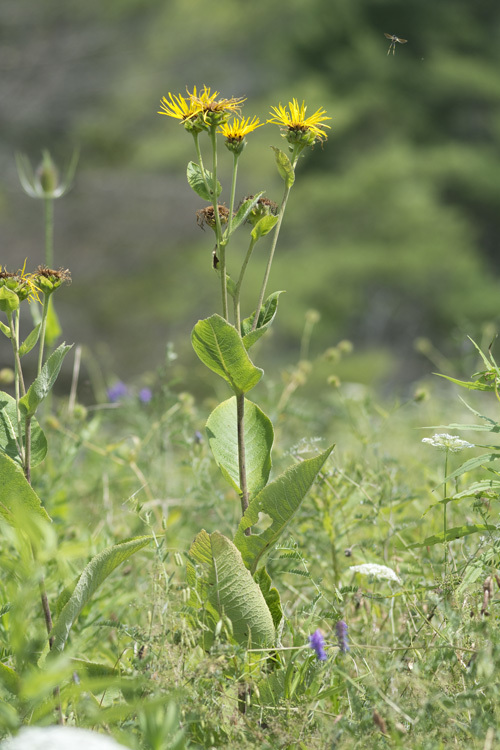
(422, 669)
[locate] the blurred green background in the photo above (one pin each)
(392, 227)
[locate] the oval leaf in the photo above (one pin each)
(266, 317)
(18, 501)
(9, 433)
(220, 348)
(223, 440)
(263, 226)
(280, 501)
(43, 383)
(285, 167)
(197, 183)
(98, 569)
(231, 591)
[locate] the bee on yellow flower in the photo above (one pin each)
(300, 129)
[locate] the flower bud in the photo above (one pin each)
(47, 175)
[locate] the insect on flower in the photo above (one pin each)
(394, 39)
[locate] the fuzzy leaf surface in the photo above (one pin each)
(280, 501)
(231, 591)
(9, 437)
(93, 575)
(223, 440)
(197, 183)
(220, 348)
(43, 383)
(18, 501)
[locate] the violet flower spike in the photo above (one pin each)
(341, 633)
(317, 642)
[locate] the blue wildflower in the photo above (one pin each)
(317, 642)
(145, 395)
(341, 632)
(117, 392)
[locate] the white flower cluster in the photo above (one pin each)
(447, 442)
(377, 571)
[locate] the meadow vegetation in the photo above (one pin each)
(188, 573)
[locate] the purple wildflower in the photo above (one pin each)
(145, 395)
(117, 391)
(317, 642)
(341, 632)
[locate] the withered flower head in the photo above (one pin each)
(48, 279)
(207, 216)
(21, 283)
(263, 207)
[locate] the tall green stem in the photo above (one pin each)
(240, 417)
(49, 231)
(43, 327)
(233, 193)
(237, 290)
(218, 228)
(445, 518)
(273, 245)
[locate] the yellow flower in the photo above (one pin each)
(239, 128)
(300, 128)
(214, 111)
(180, 108)
(22, 283)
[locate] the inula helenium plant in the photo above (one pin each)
(228, 578)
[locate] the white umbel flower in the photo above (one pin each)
(446, 442)
(59, 738)
(377, 571)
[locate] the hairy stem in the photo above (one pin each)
(240, 421)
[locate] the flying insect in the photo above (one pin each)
(394, 39)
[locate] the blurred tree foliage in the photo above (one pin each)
(392, 226)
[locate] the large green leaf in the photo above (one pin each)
(19, 503)
(98, 569)
(197, 183)
(231, 591)
(9, 433)
(279, 500)
(266, 316)
(42, 385)
(223, 440)
(220, 348)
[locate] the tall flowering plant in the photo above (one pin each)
(228, 578)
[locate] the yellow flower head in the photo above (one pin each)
(300, 129)
(239, 128)
(236, 131)
(214, 111)
(179, 107)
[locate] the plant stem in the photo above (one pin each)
(237, 290)
(240, 416)
(273, 246)
(445, 519)
(233, 193)
(218, 227)
(43, 327)
(49, 231)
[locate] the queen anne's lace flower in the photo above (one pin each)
(446, 442)
(377, 571)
